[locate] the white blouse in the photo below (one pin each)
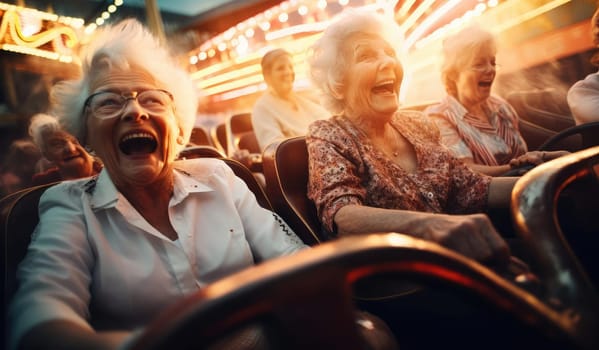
(274, 118)
(96, 261)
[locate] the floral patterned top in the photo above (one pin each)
(345, 168)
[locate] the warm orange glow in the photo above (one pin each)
(15, 38)
(532, 13)
(429, 21)
(405, 7)
(414, 16)
(237, 71)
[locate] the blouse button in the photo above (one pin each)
(430, 195)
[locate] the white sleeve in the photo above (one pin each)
(267, 234)
(583, 99)
(54, 276)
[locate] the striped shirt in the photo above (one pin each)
(494, 142)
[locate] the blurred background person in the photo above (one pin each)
(67, 159)
(280, 112)
(479, 128)
(19, 166)
(583, 96)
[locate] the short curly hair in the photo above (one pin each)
(327, 60)
(124, 45)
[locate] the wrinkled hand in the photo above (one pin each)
(471, 235)
(535, 158)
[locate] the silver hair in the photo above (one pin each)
(124, 45)
(458, 49)
(41, 124)
(327, 61)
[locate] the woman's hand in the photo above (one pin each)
(471, 235)
(535, 158)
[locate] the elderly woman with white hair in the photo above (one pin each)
(68, 160)
(111, 252)
(478, 127)
(375, 168)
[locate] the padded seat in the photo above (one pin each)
(200, 136)
(247, 140)
(218, 134)
(573, 139)
(18, 218)
(285, 165)
(200, 151)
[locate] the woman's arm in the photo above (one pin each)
(55, 275)
(471, 235)
(491, 170)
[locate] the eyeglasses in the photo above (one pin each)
(107, 104)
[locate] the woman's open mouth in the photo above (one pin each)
(138, 143)
(385, 87)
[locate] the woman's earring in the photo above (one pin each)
(180, 140)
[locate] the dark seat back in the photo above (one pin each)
(200, 136)
(547, 108)
(250, 180)
(574, 138)
(240, 123)
(285, 165)
(18, 217)
(202, 151)
(247, 140)
(218, 134)
(242, 133)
